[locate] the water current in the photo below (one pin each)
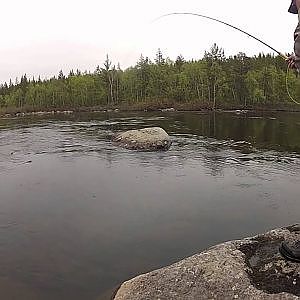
(79, 215)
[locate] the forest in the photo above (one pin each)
(213, 82)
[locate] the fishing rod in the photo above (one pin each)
(227, 24)
(243, 31)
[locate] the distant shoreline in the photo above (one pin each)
(140, 107)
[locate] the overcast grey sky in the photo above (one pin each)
(42, 37)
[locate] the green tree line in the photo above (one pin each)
(213, 82)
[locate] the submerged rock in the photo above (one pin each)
(147, 139)
(250, 268)
(168, 109)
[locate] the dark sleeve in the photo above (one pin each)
(293, 8)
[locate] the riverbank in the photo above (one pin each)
(251, 268)
(142, 106)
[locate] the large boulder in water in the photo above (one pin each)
(251, 268)
(146, 139)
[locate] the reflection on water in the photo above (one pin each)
(79, 215)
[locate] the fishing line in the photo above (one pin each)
(243, 31)
(287, 86)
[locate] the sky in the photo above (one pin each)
(44, 37)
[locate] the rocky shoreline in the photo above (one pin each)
(182, 108)
(37, 113)
(251, 268)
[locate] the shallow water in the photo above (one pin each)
(79, 215)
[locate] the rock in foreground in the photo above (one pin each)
(251, 268)
(147, 139)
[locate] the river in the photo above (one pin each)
(79, 215)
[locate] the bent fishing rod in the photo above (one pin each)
(243, 31)
(227, 24)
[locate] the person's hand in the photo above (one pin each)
(291, 61)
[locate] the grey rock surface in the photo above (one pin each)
(250, 268)
(147, 139)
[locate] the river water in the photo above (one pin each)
(79, 215)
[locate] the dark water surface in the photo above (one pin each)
(79, 215)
